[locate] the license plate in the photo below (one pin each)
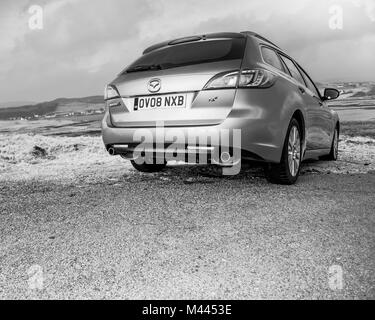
(160, 102)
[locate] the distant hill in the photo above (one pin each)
(12, 104)
(359, 94)
(47, 107)
(372, 91)
(368, 92)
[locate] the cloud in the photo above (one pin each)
(85, 43)
(369, 6)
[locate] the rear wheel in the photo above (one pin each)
(333, 154)
(146, 167)
(287, 171)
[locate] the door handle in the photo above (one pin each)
(302, 89)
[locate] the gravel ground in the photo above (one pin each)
(184, 233)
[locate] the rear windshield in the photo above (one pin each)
(190, 53)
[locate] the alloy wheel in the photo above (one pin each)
(294, 151)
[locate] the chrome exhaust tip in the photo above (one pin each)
(111, 151)
(225, 157)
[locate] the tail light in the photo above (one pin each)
(256, 78)
(223, 80)
(110, 92)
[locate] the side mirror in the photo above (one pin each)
(330, 94)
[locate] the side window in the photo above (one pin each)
(293, 69)
(271, 57)
(309, 83)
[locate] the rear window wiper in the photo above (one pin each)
(144, 67)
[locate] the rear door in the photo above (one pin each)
(314, 133)
(322, 115)
(171, 90)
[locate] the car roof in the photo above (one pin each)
(218, 35)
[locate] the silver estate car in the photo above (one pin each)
(238, 85)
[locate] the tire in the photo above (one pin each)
(145, 167)
(334, 152)
(287, 171)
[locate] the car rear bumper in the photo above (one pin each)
(259, 139)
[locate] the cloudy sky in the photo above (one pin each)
(85, 43)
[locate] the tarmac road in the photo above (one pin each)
(179, 234)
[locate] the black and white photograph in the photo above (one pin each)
(189, 153)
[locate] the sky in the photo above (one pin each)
(84, 44)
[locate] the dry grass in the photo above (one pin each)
(358, 128)
(64, 157)
(75, 159)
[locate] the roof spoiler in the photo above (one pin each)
(193, 38)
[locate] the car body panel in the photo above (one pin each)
(261, 132)
(188, 80)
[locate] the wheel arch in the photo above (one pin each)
(293, 113)
(301, 121)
